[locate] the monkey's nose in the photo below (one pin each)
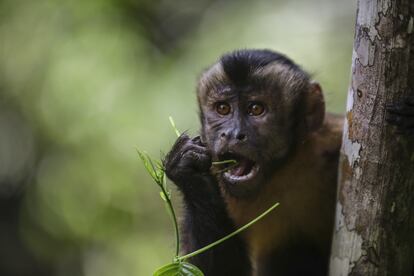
(241, 137)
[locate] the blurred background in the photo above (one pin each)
(82, 83)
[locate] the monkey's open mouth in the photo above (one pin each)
(244, 170)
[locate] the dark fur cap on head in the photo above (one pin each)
(264, 68)
(241, 64)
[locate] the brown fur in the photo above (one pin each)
(305, 187)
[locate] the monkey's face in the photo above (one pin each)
(254, 107)
(250, 125)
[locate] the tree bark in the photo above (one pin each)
(374, 225)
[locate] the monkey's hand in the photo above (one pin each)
(188, 161)
(402, 116)
(206, 219)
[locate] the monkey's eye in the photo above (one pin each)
(223, 108)
(255, 109)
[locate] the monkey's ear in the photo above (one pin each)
(315, 107)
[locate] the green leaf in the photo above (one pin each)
(162, 195)
(164, 181)
(179, 269)
(148, 164)
(160, 170)
(153, 169)
(159, 164)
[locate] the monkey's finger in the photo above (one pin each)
(181, 140)
(197, 141)
(185, 143)
(195, 160)
(184, 156)
(196, 148)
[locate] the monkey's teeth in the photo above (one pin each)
(229, 175)
(243, 167)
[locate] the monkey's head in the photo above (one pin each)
(255, 107)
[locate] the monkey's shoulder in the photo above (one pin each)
(326, 141)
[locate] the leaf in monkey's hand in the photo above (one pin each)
(148, 164)
(179, 268)
(153, 167)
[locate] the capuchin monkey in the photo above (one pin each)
(261, 109)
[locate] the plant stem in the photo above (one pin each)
(207, 247)
(224, 162)
(174, 219)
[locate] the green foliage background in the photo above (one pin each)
(84, 82)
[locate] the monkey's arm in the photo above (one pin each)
(205, 217)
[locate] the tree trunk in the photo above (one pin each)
(374, 226)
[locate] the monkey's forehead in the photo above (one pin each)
(216, 78)
(266, 79)
(228, 91)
